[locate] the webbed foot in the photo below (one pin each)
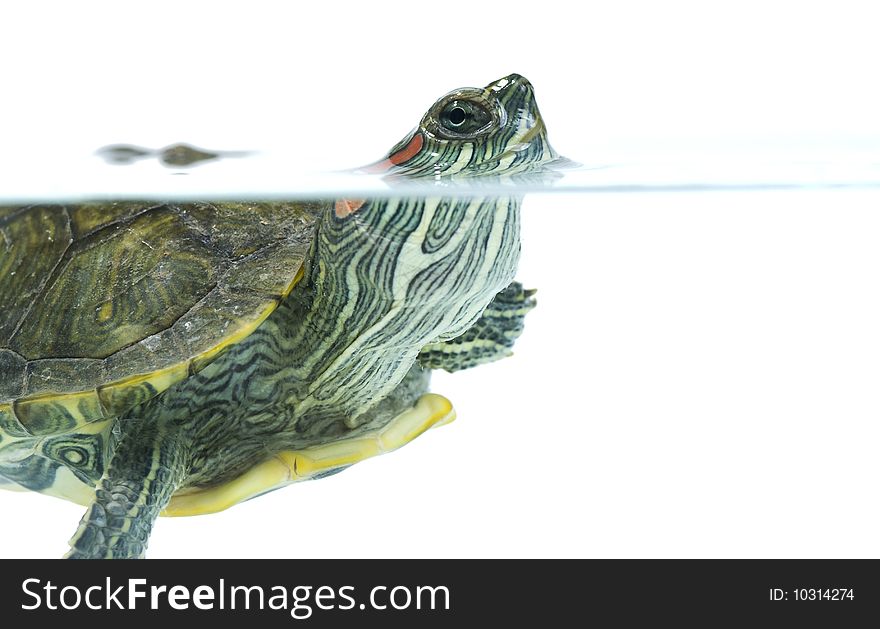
(489, 339)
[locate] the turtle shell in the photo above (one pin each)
(106, 305)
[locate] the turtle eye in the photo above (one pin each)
(464, 117)
(456, 116)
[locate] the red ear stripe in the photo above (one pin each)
(344, 207)
(405, 154)
(409, 151)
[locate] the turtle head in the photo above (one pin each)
(495, 130)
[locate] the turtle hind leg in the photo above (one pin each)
(146, 469)
(490, 338)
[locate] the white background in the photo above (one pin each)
(701, 375)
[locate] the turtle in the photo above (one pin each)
(177, 358)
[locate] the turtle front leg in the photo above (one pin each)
(489, 339)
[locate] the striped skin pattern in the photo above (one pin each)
(489, 338)
(385, 281)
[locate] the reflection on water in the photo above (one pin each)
(263, 176)
(175, 155)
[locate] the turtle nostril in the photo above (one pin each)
(511, 81)
(519, 79)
